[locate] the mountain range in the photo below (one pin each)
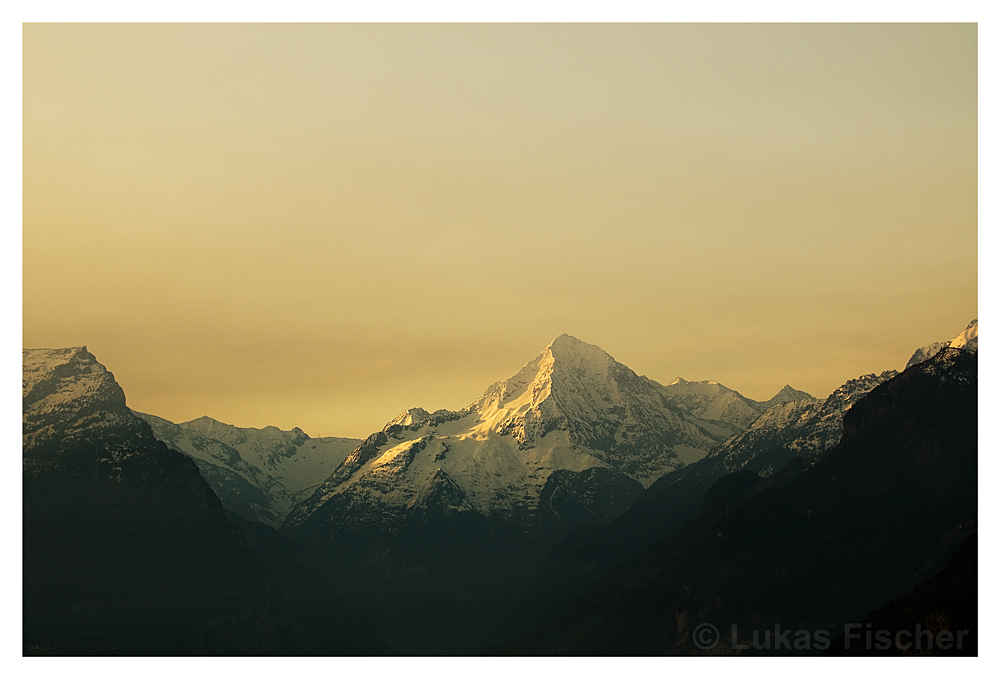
(574, 436)
(449, 530)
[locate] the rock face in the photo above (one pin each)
(259, 474)
(128, 551)
(812, 547)
(74, 413)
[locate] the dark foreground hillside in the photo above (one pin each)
(938, 617)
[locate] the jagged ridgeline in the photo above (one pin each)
(127, 550)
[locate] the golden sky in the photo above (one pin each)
(321, 225)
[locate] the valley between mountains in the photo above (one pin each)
(575, 507)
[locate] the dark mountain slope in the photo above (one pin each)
(127, 551)
(880, 512)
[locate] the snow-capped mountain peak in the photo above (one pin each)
(69, 397)
(577, 353)
(571, 384)
(702, 388)
(564, 355)
(788, 394)
(571, 423)
(413, 417)
(60, 375)
(968, 340)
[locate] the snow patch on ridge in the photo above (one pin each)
(968, 340)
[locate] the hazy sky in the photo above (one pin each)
(323, 225)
